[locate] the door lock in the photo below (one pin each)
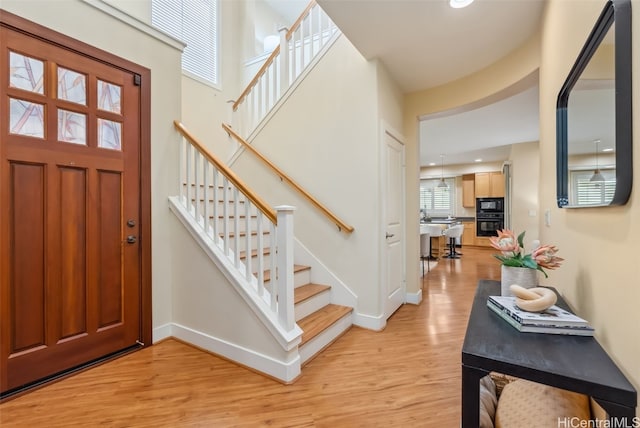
(389, 235)
(131, 239)
(131, 223)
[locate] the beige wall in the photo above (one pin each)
(326, 137)
(525, 176)
(514, 73)
(600, 275)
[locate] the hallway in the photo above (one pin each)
(406, 375)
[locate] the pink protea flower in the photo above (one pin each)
(506, 242)
(545, 256)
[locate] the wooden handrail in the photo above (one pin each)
(273, 55)
(230, 175)
(259, 74)
(342, 226)
(298, 22)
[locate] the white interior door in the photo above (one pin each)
(393, 202)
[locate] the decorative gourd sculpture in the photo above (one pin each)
(537, 299)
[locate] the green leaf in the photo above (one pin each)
(529, 262)
(521, 240)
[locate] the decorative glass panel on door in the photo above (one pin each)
(26, 73)
(109, 134)
(26, 118)
(108, 97)
(72, 127)
(72, 86)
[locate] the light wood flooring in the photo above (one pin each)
(405, 376)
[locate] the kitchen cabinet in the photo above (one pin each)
(468, 190)
(489, 185)
(469, 233)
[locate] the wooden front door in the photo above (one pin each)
(70, 197)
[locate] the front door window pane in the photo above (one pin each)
(108, 97)
(26, 118)
(109, 134)
(72, 127)
(72, 86)
(26, 73)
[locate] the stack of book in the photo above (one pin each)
(554, 320)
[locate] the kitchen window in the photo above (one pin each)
(194, 22)
(437, 201)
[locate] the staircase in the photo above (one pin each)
(246, 238)
(321, 321)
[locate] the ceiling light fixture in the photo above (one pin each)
(597, 176)
(459, 4)
(442, 184)
(478, 160)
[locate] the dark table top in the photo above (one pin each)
(575, 363)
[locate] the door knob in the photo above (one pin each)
(389, 235)
(131, 239)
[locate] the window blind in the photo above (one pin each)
(195, 22)
(437, 200)
(593, 193)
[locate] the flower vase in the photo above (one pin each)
(524, 277)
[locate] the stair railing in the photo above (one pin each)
(341, 224)
(299, 45)
(239, 218)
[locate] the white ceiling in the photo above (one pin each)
(426, 43)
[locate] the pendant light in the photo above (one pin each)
(597, 176)
(442, 184)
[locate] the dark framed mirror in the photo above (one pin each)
(594, 164)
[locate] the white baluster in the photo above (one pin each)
(247, 248)
(284, 61)
(273, 285)
(196, 190)
(236, 226)
(225, 215)
(205, 172)
(216, 201)
(260, 248)
(182, 175)
(188, 177)
(285, 283)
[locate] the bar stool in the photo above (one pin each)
(453, 233)
(425, 250)
(434, 231)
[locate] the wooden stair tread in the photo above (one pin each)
(319, 321)
(296, 269)
(243, 234)
(307, 291)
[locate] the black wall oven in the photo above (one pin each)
(489, 216)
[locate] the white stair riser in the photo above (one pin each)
(324, 339)
(312, 304)
(299, 278)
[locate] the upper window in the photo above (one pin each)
(195, 22)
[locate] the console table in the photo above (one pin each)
(574, 363)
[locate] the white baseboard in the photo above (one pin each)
(162, 332)
(414, 298)
(376, 323)
(283, 371)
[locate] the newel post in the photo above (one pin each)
(284, 266)
(284, 60)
